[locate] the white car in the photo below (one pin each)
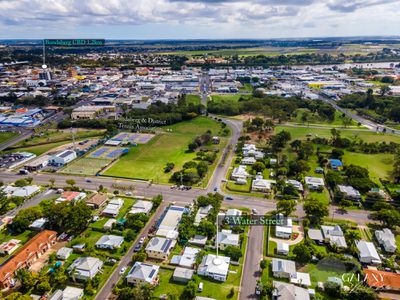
(122, 271)
(141, 240)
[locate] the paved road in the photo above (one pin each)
(125, 261)
(367, 123)
(254, 254)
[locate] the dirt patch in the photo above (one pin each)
(43, 260)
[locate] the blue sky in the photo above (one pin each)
(192, 19)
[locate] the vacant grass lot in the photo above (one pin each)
(315, 119)
(193, 99)
(148, 161)
(227, 97)
(5, 136)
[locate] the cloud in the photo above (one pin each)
(347, 6)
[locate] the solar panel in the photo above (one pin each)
(166, 245)
(152, 273)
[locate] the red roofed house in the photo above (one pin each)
(385, 281)
(70, 196)
(26, 256)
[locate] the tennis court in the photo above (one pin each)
(108, 152)
(133, 138)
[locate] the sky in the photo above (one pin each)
(197, 19)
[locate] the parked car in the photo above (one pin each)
(137, 247)
(128, 193)
(141, 240)
(200, 288)
(122, 271)
(228, 198)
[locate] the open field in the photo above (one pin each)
(55, 136)
(85, 166)
(148, 161)
(314, 119)
(5, 136)
(226, 97)
(300, 132)
(193, 99)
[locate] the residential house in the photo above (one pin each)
(26, 256)
(9, 247)
(201, 214)
(296, 184)
(334, 236)
(283, 268)
(70, 196)
(367, 253)
(287, 291)
(113, 207)
(316, 235)
(349, 192)
(382, 281)
(25, 191)
(336, 164)
(284, 227)
(182, 274)
(84, 268)
(314, 183)
(198, 240)
(110, 242)
(386, 239)
(187, 259)
(143, 273)
(64, 252)
(72, 293)
(250, 160)
(227, 238)
(141, 206)
(38, 224)
(240, 173)
(97, 200)
(216, 267)
(302, 279)
(262, 185)
(160, 248)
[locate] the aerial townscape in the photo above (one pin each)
(204, 150)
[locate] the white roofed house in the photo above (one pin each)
(84, 268)
(216, 267)
(386, 239)
(282, 248)
(287, 291)
(283, 268)
(248, 160)
(314, 183)
(297, 184)
(169, 222)
(284, 227)
(349, 192)
(239, 172)
(109, 242)
(143, 273)
(113, 207)
(202, 213)
(227, 238)
(63, 253)
(367, 253)
(160, 248)
(187, 259)
(25, 191)
(141, 206)
(262, 185)
(334, 236)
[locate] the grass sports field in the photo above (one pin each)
(148, 161)
(85, 166)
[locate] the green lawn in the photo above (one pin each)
(378, 165)
(54, 136)
(229, 97)
(315, 119)
(86, 166)
(23, 237)
(193, 99)
(5, 136)
(148, 161)
(365, 135)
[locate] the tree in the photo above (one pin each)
(52, 181)
(396, 167)
(44, 286)
(233, 252)
(385, 89)
(361, 292)
(189, 292)
(388, 217)
(298, 167)
(70, 182)
(303, 253)
(346, 121)
(27, 279)
(333, 289)
(286, 207)
(207, 228)
(315, 210)
(263, 264)
(258, 166)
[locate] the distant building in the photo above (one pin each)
(349, 192)
(314, 183)
(62, 158)
(386, 239)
